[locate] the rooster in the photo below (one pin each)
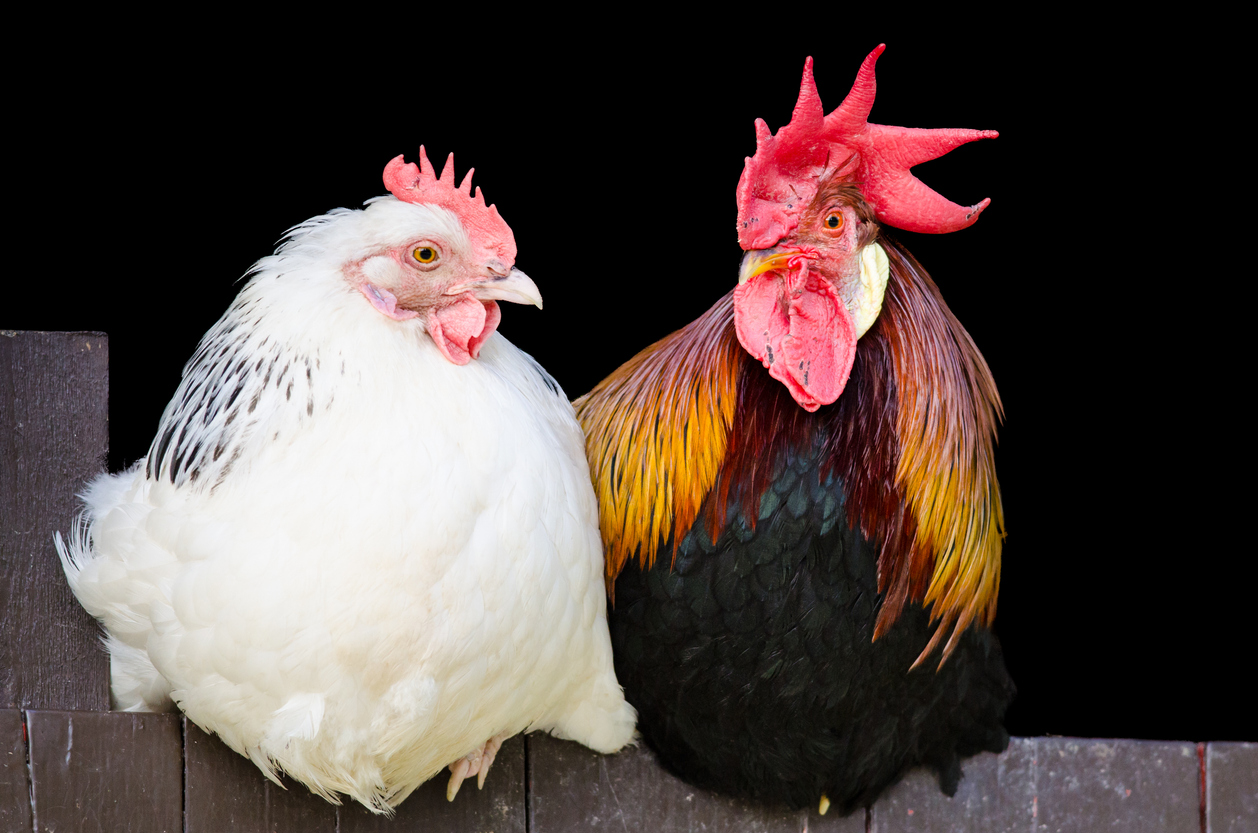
(363, 545)
(797, 492)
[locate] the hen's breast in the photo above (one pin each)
(399, 563)
(751, 662)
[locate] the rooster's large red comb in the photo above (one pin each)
(781, 179)
(488, 231)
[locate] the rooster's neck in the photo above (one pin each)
(693, 423)
(656, 432)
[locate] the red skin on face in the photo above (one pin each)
(459, 324)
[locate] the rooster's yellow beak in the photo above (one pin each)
(763, 260)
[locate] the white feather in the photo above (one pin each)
(351, 559)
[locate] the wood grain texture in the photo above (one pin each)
(1055, 784)
(225, 791)
(106, 771)
(574, 788)
(15, 799)
(499, 808)
(54, 400)
(1232, 788)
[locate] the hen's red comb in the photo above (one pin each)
(781, 179)
(490, 234)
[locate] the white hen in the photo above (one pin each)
(364, 544)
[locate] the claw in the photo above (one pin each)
(458, 771)
(477, 762)
(490, 752)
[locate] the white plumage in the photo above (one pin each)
(351, 558)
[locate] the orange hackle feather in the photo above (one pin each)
(912, 439)
(947, 412)
(656, 433)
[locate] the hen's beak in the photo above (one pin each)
(764, 260)
(515, 286)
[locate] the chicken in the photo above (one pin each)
(363, 545)
(803, 479)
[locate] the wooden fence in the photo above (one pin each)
(69, 764)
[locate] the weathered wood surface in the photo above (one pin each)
(15, 799)
(106, 771)
(117, 771)
(572, 788)
(225, 791)
(1231, 788)
(54, 399)
(1055, 784)
(499, 808)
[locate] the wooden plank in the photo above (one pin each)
(54, 398)
(225, 791)
(994, 795)
(15, 797)
(1232, 788)
(499, 808)
(574, 788)
(1058, 784)
(106, 771)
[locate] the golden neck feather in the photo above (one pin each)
(656, 432)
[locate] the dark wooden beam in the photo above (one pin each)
(106, 771)
(1132, 786)
(573, 788)
(54, 400)
(15, 795)
(499, 808)
(225, 791)
(1231, 800)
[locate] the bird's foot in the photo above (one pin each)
(475, 763)
(823, 805)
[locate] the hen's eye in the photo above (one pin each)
(426, 254)
(834, 221)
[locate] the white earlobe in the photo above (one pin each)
(875, 268)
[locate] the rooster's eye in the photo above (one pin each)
(426, 254)
(834, 220)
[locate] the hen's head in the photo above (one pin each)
(812, 280)
(441, 256)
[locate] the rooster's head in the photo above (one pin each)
(809, 201)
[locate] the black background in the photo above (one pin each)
(152, 171)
